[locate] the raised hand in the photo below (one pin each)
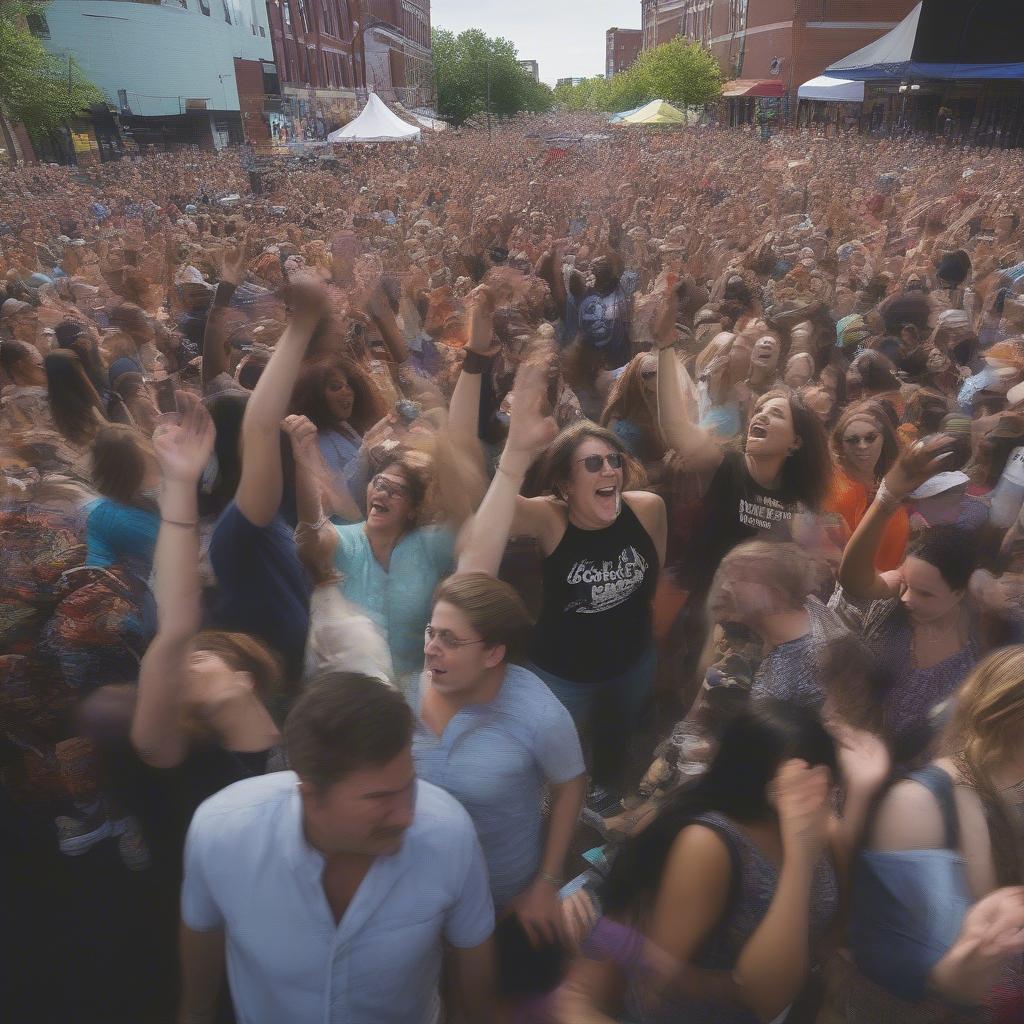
(664, 326)
(918, 463)
(233, 259)
(802, 800)
(530, 431)
(302, 433)
(183, 443)
(480, 303)
(307, 302)
(863, 758)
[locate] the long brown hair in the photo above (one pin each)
(74, 403)
(868, 410)
(985, 728)
(308, 397)
(627, 401)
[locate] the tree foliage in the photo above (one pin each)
(40, 90)
(464, 63)
(680, 72)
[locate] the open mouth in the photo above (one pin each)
(607, 492)
(757, 430)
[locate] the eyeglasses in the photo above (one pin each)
(447, 639)
(392, 490)
(595, 463)
(854, 439)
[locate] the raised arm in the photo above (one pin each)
(773, 965)
(857, 573)
(383, 316)
(315, 536)
(215, 346)
(183, 451)
(530, 432)
(689, 441)
(464, 411)
(259, 490)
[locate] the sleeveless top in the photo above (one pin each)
(595, 621)
(752, 888)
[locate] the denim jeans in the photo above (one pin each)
(606, 713)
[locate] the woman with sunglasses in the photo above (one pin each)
(864, 448)
(603, 544)
(389, 564)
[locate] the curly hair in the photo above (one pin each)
(309, 396)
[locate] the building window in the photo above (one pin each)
(204, 6)
(263, 32)
(286, 10)
(227, 11)
(303, 16)
(38, 25)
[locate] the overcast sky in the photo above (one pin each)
(566, 37)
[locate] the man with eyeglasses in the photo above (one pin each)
(337, 889)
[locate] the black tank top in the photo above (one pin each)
(595, 621)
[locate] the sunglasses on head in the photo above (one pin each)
(594, 463)
(855, 439)
(392, 490)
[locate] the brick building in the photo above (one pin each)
(780, 42)
(330, 53)
(622, 47)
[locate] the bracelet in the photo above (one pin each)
(476, 363)
(517, 477)
(177, 522)
(551, 880)
(886, 498)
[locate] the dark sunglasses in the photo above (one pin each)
(392, 490)
(594, 463)
(861, 439)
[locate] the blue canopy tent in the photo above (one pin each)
(623, 114)
(943, 40)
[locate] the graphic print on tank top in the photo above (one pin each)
(600, 586)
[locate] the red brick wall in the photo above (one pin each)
(622, 46)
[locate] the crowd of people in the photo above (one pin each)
(493, 580)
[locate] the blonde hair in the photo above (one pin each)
(986, 725)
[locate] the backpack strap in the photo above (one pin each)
(940, 785)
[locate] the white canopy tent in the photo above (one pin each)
(375, 123)
(832, 90)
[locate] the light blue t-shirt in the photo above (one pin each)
(250, 871)
(397, 599)
(494, 759)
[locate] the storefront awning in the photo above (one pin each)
(752, 87)
(832, 90)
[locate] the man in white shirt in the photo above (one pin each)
(336, 887)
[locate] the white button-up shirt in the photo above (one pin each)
(249, 870)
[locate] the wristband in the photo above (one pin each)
(886, 498)
(551, 880)
(517, 477)
(178, 522)
(474, 362)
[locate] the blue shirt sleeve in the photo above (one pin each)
(115, 532)
(557, 745)
(470, 920)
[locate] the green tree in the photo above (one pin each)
(471, 66)
(680, 72)
(38, 89)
